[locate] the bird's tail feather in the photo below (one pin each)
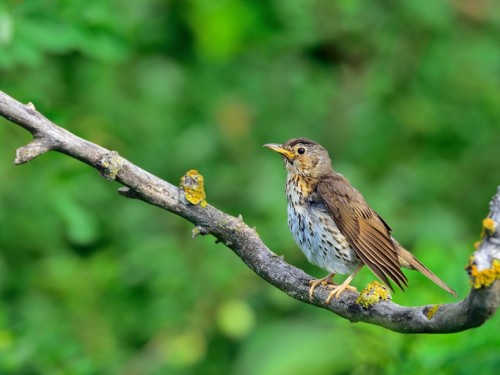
(408, 260)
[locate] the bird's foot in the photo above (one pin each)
(327, 280)
(338, 289)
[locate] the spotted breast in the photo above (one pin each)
(314, 230)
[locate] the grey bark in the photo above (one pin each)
(474, 310)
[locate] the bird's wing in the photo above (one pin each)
(367, 233)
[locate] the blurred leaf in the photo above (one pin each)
(47, 34)
(82, 229)
(6, 28)
(221, 28)
(103, 45)
(235, 318)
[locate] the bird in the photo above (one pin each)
(334, 226)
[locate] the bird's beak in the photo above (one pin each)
(279, 149)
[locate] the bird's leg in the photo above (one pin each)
(324, 281)
(345, 285)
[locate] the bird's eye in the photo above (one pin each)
(301, 150)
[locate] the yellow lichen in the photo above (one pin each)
(484, 278)
(373, 293)
(488, 228)
(489, 225)
(431, 311)
(192, 185)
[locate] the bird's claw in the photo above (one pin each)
(325, 281)
(335, 293)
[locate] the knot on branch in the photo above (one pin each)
(109, 165)
(30, 106)
(198, 231)
(192, 188)
(129, 193)
(38, 147)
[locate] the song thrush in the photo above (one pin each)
(334, 226)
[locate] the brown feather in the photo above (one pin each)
(408, 260)
(391, 269)
(365, 231)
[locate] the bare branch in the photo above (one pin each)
(32, 150)
(189, 202)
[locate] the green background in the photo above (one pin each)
(404, 94)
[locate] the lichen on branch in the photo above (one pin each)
(192, 186)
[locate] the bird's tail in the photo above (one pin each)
(408, 260)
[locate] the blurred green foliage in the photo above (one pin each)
(405, 95)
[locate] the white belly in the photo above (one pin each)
(320, 240)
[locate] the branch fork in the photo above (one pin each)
(36, 148)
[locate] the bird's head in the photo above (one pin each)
(303, 157)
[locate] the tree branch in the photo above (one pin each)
(189, 202)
